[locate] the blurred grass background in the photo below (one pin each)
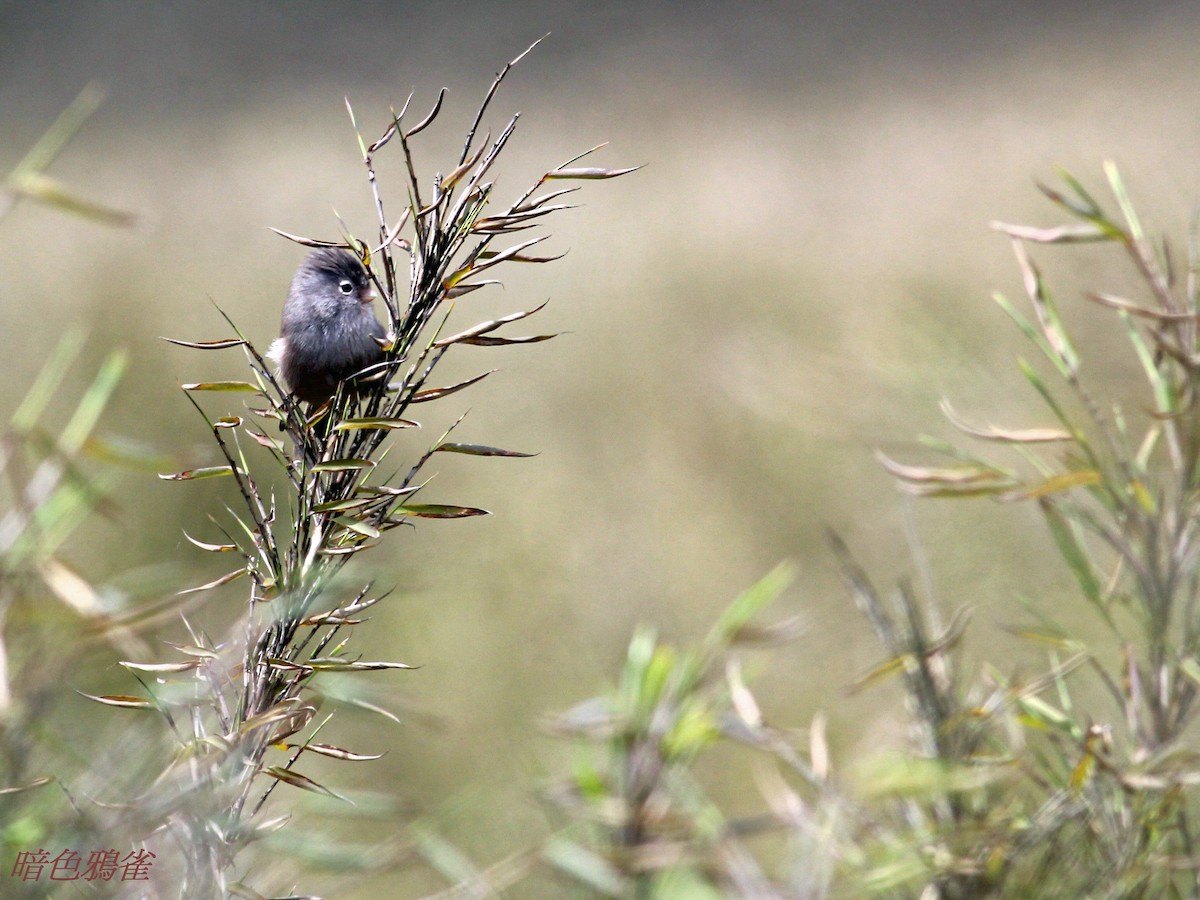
(797, 277)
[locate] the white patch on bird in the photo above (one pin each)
(276, 350)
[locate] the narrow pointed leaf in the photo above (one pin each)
(123, 701)
(334, 752)
(439, 511)
(224, 579)
(435, 393)
(295, 779)
(379, 423)
(364, 528)
(32, 785)
(1056, 484)
(311, 242)
(194, 474)
(232, 386)
(1062, 234)
(591, 173)
(1006, 435)
(161, 668)
(212, 548)
(208, 345)
(344, 465)
(343, 665)
(1075, 555)
(478, 450)
(343, 505)
(490, 341)
(486, 327)
(965, 474)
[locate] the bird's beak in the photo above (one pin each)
(367, 295)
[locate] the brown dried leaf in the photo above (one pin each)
(312, 242)
(435, 393)
(207, 345)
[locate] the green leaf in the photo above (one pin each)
(295, 779)
(1165, 399)
(343, 465)
(231, 386)
(46, 385)
(692, 732)
(1056, 484)
(344, 665)
(454, 865)
(585, 866)
(342, 505)
(364, 528)
(439, 511)
(93, 402)
(1118, 188)
(1071, 548)
(194, 474)
(752, 601)
(378, 422)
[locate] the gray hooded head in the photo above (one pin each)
(329, 331)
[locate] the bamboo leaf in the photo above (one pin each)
(478, 450)
(224, 579)
(92, 404)
(589, 173)
(1063, 353)
(380, 423)
(1056, 484)
(212, 548)
(333, 752)
(486, 327)
(586, 867)
(208, 345)
(490, 341)
(436, 393)
(343, 505)
(124, 701)
(343, 665)
(358, 527)
(1073, 552)
(1061, 234)
(195, 474)
(1165, 398)
(229, 386)
(344, 465)
(295, 779)
(51, 192)
(45, 386)
(965, 475)
(439, 511)
(32, 785)
(161, 668)
(311, 242)
(1005, 435)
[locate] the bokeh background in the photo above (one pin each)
(797, 277)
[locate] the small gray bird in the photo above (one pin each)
(329, 332)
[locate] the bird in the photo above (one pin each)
(328, 333)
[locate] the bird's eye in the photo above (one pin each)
(345, 286)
